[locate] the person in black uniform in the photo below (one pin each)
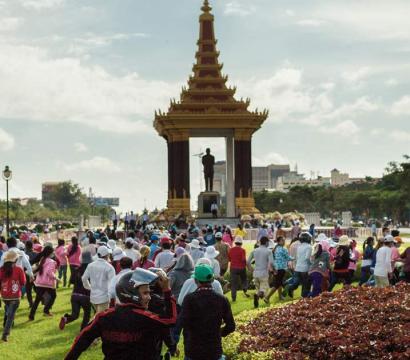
(129, 331)
(202, 314)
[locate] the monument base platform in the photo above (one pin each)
(205, 201)
(231, 222)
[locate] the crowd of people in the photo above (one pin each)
(140, 293)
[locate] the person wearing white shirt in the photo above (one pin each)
(129, 250)
(262, 257)
(97, 278)
(165, 259)
(190, 285)
(211, 253)
(383, 267)
(126, 265)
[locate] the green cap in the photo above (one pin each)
(203, 273)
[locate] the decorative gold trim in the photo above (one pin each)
(246, 206)
(243, 134)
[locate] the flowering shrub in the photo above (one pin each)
(355, 323)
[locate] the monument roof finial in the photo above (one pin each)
(206, 8)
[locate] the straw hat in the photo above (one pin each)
(11, 256)
(344, 240)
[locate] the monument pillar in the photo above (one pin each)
(230, 184)
(178, 173)
(244, 200)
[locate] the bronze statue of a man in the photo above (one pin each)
(208, 161)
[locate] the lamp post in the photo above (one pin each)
(7, 174)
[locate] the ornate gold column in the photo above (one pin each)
(245, 203)
(178, 172)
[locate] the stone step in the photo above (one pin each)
(232, 222)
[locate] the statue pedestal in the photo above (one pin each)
(205, 200)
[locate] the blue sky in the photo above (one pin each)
(80, 80)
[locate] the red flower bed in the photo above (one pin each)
(356, 323)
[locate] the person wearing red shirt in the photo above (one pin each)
(237, 258)
(12, 279)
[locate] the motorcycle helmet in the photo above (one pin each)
(128, 284)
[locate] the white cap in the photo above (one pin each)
(218, 235)
(238, 239)
(117, 254)
(103, 251)
(112, 244)
(129, 240)
(195, 244)
(211, 253)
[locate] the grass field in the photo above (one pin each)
(42, 339)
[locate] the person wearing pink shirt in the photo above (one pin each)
(354, 258)
(45, 282)
(62, 261)
(73, 254)
(227, 236)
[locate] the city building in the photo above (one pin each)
(47, 188)
(341, 179)
(266, 177)
(292, 179)
(23, 201)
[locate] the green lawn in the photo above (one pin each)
(42, 339)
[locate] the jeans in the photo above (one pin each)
(176, 330)
(238, 276)
(49, 295)
(10, 308)
(78, 302)
(300, 278)
(62, 273)
(364, 274)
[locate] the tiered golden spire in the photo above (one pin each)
(206, 8)
(207, 92)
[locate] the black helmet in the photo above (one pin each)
(127, 286)
(305, 237)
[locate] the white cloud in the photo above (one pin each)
(399, 135)
(310, 23)
(97, 163)
(356, 76)
(41, 4)
(346, 128)
(401, 106)
(80, 147)
(270, 158)
(290, 12)
(82, 45)
(10, 23)
(34, 86)
(236, 8)
(6, 140)
(392, 82)
(370, 19)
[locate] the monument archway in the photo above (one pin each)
(207, 108)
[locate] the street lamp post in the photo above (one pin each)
(7, 174)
